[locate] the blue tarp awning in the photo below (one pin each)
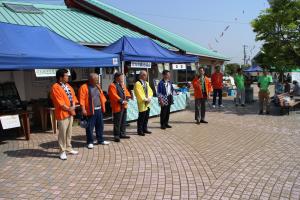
(27, 47)
(146, 50)
(254, 69)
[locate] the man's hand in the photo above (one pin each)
(84, 112)
(125, 102)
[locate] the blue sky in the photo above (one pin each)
(201, 21)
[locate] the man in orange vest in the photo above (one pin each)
(64, 100)
(119, 96)
(202, 88)
(217, 84)
(92, 102)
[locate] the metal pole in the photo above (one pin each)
(185, 74)
(148, 74)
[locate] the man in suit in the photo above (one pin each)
(119, 96)
(144, 94)
(165, 92)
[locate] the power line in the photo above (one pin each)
(192, 19)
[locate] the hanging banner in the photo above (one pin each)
(10, 121)
(47, 72)
(179, 66)
(142, 65)
(167, 66)
(193, 67)
(160, 68)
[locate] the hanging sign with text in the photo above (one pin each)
(141, 65)
(179, 66)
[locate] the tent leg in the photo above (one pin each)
(148, 74)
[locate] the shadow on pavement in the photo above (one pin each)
(23, 153)
(230, 108)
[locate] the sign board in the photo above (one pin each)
(143, 65)
(10, 121)
(179, 66)
(115, 61)
(47, 72)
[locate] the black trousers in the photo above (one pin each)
(142, 123)
(200, 109)
(120, 123)
(165, 113)
(219, 93)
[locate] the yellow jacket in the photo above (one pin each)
(141, 96)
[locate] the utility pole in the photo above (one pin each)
(245, 55)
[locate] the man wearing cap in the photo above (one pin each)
(64, 100)
(144, 94)
(92, 101)
(119, 96)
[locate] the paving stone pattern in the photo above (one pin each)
(238, 155)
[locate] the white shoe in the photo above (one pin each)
(221, 106)
(63, 156)
(95, 142)
(90, 146)
(73, 152)
(214, 106)
(105, 143)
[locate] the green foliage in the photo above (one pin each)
(279, 28)
(230, 69)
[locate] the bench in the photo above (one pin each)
(286, 103)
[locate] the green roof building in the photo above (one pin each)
(93, 23)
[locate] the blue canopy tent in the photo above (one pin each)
(146, 50)
(28, 47)
(253, 69)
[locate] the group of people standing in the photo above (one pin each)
(92, 103)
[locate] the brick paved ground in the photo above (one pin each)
(238, 155)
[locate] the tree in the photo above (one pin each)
(230, 69)
(279, 28)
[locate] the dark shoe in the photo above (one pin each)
(147, 132)
(243, 105)
(141, 134)
(261, 112)
(198, 122)
(162, 127)
(168, 126)
(117, 139)
(124, 137)
(204, 122)
(267, 113)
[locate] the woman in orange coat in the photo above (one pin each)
(119, 96)
(202, 88)
(92, 102)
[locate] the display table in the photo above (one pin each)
(180, 103)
